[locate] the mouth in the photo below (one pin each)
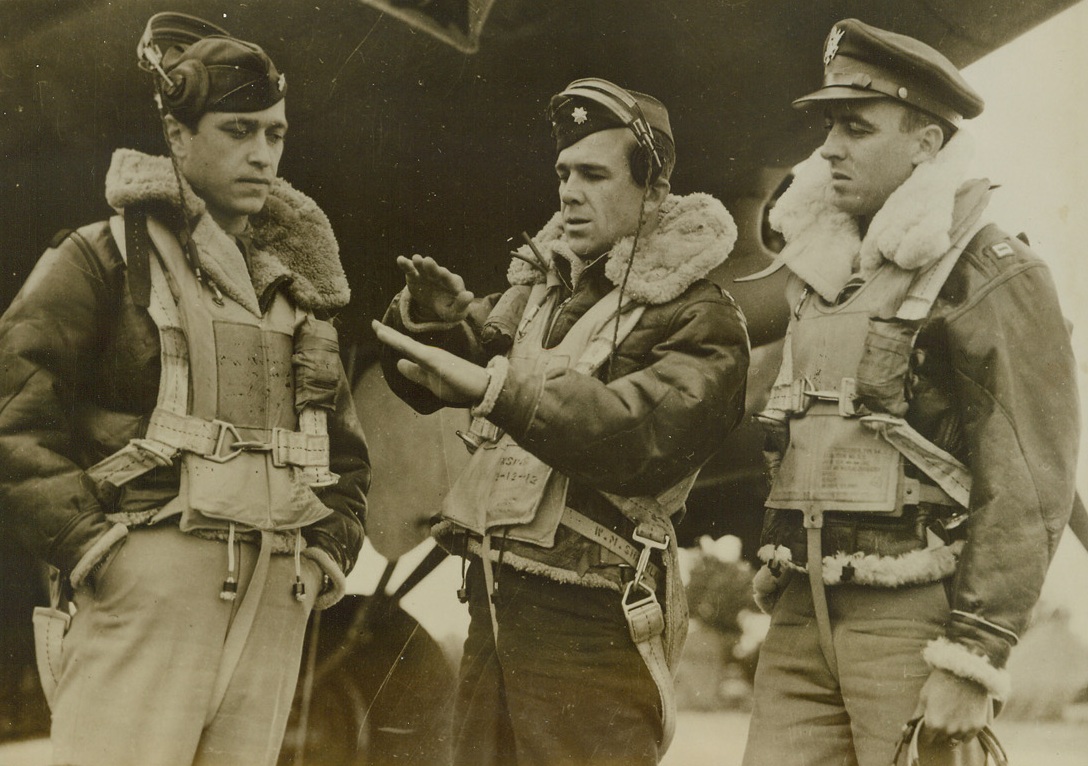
(839, 176)
(255, 181)
(569, 222)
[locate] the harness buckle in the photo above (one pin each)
(652, 538)
(645, 618)
(236, 444)
(845, 396)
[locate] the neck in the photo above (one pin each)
(233, 224)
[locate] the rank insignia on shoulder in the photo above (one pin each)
(1001, 250)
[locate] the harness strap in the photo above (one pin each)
(171, 429)
(646, 623)
(169, 433)
(240, 627)
(814, 530)
(942, 467)
(608, 540)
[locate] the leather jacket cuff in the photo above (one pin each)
(960, 661)
(96, 555)
(335, 584)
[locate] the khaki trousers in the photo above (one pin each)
(142, 657)
(803, 714)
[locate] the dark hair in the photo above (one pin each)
(640, 163)
(916, 119)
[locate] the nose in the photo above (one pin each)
(832, 148)
(260, 152)
(570, 191)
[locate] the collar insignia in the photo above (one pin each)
(282, 82)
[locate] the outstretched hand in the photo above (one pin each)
(437, 293)
(452, 379)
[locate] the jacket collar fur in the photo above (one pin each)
(693, 235)
(914, 228)
(290, 238)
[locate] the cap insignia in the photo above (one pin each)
(579, 114)
(832, 48)
(282, 82)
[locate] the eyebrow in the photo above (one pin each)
(582, 166)
(251, 123)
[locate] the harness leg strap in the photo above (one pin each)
(646, 623)
(814, 522)
(238, 633)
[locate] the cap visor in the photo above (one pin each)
(836, 93)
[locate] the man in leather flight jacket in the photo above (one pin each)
(590, 426)
(922, 432)
(177, 435)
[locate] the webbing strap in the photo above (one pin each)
(489, 584)
(819, 596)
(942, 467)
(607, 539)
(171, 429)
(646, 624)
(240, 627)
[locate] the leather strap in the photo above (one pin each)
(139, 248)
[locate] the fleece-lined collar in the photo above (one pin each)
(693, 235)
(291, 237)
(914, 228)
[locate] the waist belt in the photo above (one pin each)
(169, 433)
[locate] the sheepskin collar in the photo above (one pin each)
(290, 239)
(694, 234)
(916, 226)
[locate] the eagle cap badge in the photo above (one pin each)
(832, 47)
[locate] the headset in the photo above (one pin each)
(184, 91)
(623, 105)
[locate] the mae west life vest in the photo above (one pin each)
(228, 404)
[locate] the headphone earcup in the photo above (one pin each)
(646, 167)
(188, 94)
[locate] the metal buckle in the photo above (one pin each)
(845, 396)
(649, 544)
(237, 445)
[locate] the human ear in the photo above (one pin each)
(657, 193)
(177, 136)
(930, 139)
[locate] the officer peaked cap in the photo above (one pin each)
(861, 61)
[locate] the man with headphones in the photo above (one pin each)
(177, 434)
(599, 383)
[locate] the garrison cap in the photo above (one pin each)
(861, 61)
(241, 76)
(590, 105)
(205, 69)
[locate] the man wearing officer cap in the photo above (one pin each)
(177, 434)
(922, 432)
(589, 427)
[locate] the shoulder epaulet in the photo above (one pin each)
(995, 245)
